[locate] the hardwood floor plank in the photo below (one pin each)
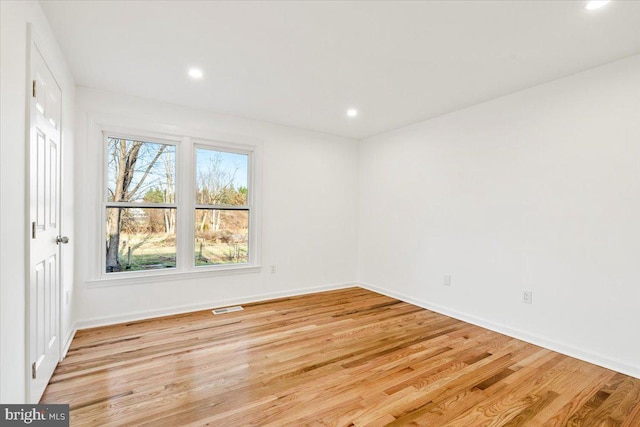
(349, 357)
(460, 403)
(582, 388)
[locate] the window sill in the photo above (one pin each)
(126, 279)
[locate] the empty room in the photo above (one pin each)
(305, 213)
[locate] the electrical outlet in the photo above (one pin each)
(273, 269)
(447, 280)
(527, 297)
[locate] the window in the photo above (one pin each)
(141, 208)
(176, 206)
(222, 210)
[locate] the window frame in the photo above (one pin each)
(185, 142)
(246, 207)
(140, 205)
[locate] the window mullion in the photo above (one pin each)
(140, 205)
(225, 207)
(185, 201)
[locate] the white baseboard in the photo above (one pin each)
(546, 342)
(142, 315)
(67, 341)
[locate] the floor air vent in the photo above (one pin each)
(227, 309)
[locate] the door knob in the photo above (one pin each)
(62, 239)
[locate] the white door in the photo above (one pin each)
(44, 251)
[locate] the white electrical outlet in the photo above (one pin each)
(273, 269)
(447, 280)
(527, 297)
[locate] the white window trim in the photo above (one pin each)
(185, 142)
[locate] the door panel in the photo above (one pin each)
(44, 259)
(53, 185)
(40, 153)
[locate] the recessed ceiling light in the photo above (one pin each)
(596, 4)
(352, 112)
(195, 73)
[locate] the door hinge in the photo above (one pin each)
(33, 371)
(34, 88)
(33, 230)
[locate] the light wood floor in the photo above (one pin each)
(341, 358)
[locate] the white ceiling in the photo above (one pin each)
(303, 64)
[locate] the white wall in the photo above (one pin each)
(14, 17)
(308, 213)
(538, 190)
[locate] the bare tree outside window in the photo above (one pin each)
(222, 212)
(140, 175)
